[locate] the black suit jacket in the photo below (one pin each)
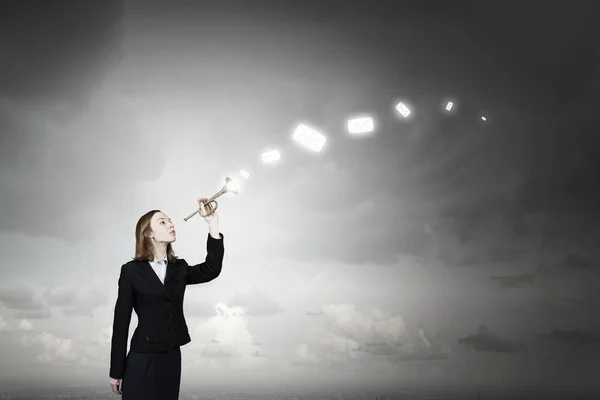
(161, 323)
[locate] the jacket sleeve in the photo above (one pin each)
(211, 267)
(122, 319)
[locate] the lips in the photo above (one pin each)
(172, 232)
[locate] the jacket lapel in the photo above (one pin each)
(171, 272)
(148, 273)
(172, 276)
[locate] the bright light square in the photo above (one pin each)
(309, 138)
(360, 125)
(402, 109)
(270, 156)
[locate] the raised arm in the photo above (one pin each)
(122, 319)
(211, 267)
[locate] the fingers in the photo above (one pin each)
(117, 387)
(201, 203)
(206, 209)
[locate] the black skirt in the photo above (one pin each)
(152, 376)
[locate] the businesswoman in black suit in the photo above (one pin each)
(153, 284)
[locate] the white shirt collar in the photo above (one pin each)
(158, 261)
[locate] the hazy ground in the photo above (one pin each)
(487, 393)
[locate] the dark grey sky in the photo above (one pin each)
(483, 235)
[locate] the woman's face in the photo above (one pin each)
(163, 229)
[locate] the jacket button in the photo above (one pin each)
(147, 338)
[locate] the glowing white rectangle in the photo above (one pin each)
(270, 156)
(309, 138)
(403, 109)
(360, 125)
(449, 106)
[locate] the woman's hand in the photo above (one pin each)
(116, 385)
(204, 209)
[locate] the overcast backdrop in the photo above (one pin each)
(439, 249)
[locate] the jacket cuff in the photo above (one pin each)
(210, 238)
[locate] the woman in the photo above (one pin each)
(153, 284)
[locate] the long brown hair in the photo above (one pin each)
(143, 244)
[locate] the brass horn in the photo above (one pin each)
(230, 187)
